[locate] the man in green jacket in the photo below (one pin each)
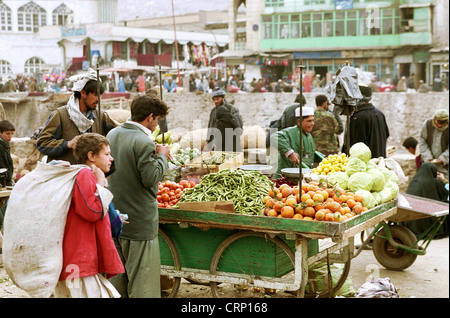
(140, 164)
(287, 142)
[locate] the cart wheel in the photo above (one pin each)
(336, 285)
(169, 255)
(244, 253)
(391, 257)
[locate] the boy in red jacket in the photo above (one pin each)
(89, 254)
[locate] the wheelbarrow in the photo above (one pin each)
(395, 246)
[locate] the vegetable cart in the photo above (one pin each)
(249, 252)
(394, 245)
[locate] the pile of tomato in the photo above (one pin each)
(169, 192)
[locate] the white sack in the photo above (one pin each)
(34, 227)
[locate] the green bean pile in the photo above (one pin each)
(246, 189)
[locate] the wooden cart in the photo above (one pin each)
(256, 252)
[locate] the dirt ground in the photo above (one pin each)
(428, 277)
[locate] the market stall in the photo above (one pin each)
(233, 226)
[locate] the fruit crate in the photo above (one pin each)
(200, 163)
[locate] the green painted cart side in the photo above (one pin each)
(257, 250)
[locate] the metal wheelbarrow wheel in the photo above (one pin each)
(390, 256)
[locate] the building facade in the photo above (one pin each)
(391, 39)
(67, 35)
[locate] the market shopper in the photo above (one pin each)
(79, 116)
(368, 125)
(287, 142)
(326, 128)
(88, 247)
(288, 118)
(412, 145)
(7, 131)
(225, 125)
(140, 164)
(426, 184)
(434, 140)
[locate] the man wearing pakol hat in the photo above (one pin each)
(78, 117)
(287, 141)
(368, 125)
(225, 125)
(433, 140)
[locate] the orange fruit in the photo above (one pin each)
(318, 197)
(309, 202)
(309, 211)
(272, 212)
(311, 193)
(300, 211)
(284, 185)
(344, 198)
(297, 216)
(343, 218)
(329, 217)
(311, 187)
(278, 206)
(334, 206)
(358, 198)
(286, 191)
(357, 209)
(308, 218)
(351, 203)
(349, 215)
(270, 203)
(319, 206)
(287, 211)
(325, 194)
(272, 193)
(305, 197)
(364, 209)
(337, 217)
(320, 215)
(346, 210)
(295, 190)
(337, 199)
(291, 201)
(266, 198)
(279, 196)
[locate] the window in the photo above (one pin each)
(306, 25)
(30, 16)
(295, 26)
(313, 2)
(317, 25)
(33, 65)
(5, 17)
(5, 67)
(267, 26)
(274, 3)
(284, 26)
(340, 23)
(61, 15)
(328, 24)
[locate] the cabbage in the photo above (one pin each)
(371, 165)
(385, 195)
(378, 179)
(386, 172)
(361, 151)
(393, 177)
(368, 199)
(338, 178)
(393, 187)
(377, 198)
(358, 181)
(354, 164)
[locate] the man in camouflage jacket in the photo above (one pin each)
(326, 128)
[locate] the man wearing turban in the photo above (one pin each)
(433, 141)
(78, 117)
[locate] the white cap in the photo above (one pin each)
(80, 80)
(306, 111)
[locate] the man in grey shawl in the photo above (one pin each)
(79, 116)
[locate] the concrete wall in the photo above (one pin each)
(405, 112)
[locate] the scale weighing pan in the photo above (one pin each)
(264, 169)
(294, 172)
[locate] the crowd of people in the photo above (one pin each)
(125, 161)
